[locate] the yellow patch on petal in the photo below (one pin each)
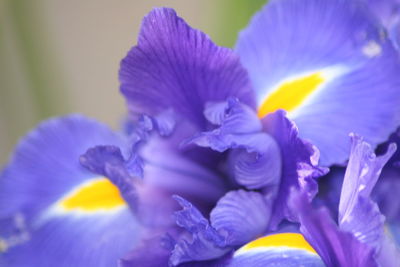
(289, 240)
(96, 195)
(291, 94)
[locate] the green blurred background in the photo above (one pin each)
(60, 57)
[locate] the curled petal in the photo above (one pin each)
(255, 171)
(241, 216)
(255, 158)
(204, 243)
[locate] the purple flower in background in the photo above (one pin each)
(388, 12)
(384, 193)
(359, 238)
(218, 162)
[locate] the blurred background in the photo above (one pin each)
(59, 57)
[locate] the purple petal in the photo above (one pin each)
(215, 112)
(238, 117)
(299, 163)
(255, 157)
(361, 175)
(165, 122)
(149, 253)
(109, 162)
(175, 66)
(37, 229)
(342, 44)
(257, 170)
(150, 201)
(166, 168)
(205, 242)
(241, 216)
(358, 214)
(335, 247)
(363, 217)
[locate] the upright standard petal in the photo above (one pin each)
(358, 213)
(361, 175)
(175, 66)
(56, 212)
(330, 66)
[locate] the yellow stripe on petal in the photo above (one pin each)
(291, 94)
(287, 240)
(96, 195)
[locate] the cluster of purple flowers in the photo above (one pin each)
(265, 155)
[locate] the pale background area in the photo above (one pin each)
(59, 57)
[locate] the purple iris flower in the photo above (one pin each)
(210, 169)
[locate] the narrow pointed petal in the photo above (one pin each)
(363, 170)
(358, 213)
